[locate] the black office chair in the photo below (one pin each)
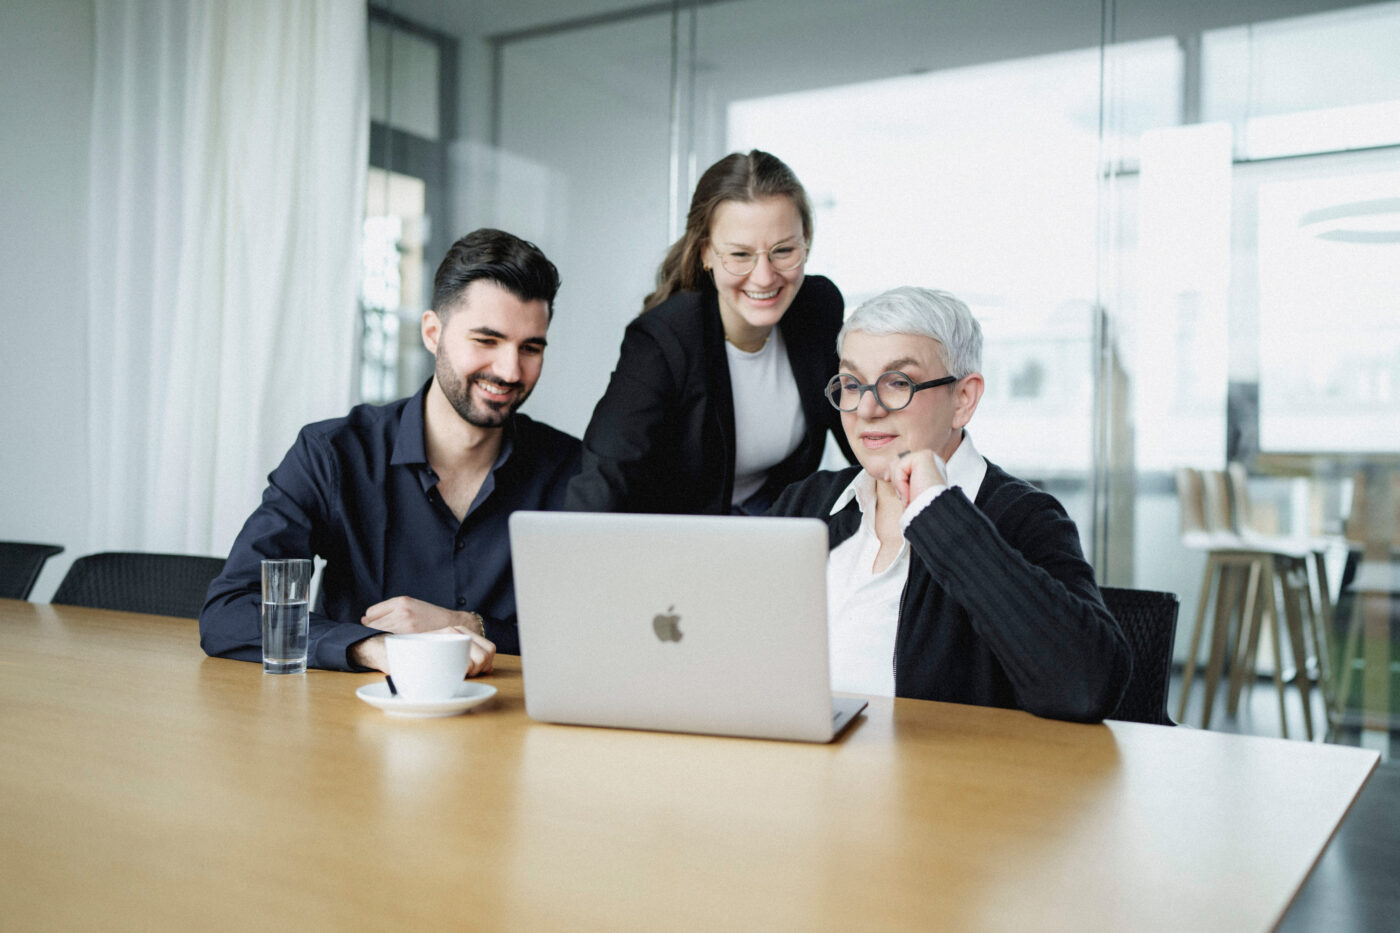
(20, 563)
(1148, 620)
(160, 584)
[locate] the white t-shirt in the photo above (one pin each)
(768, 422)
(863, 606)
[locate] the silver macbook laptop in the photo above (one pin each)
(709, 624)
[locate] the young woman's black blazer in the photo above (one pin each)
(662, 436)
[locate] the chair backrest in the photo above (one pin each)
(1241, 510)
(1148, 620)
(20, 563)
(1191, 498)
(160, 584)
(1368, 522)
(1219, 505)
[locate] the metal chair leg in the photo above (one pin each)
(1348, 659)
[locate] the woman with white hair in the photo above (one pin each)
(948, 579)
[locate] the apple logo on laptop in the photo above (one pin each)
(668, 625)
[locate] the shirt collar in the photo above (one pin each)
(966, 468)
(410, 447)
(861, 488)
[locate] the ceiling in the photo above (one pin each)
(1130, 19)
(484, 18)
(787, 45)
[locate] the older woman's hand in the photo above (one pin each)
(915, 471)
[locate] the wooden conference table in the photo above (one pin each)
(145, 786)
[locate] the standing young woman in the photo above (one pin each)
(716, 403)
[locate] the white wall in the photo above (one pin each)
(582, 170)
(45, 104)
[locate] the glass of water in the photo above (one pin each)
(286, 615)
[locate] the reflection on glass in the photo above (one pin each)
(1329, 312)
(1318, 83)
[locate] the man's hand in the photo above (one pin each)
(916, 471)
(404, 615)
(371, 652)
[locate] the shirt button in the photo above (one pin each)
(461, 544)
(461, 600)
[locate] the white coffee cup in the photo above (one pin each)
(428, 665)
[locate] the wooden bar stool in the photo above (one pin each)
(1282, 606)
(1254, 588)
(1301, 604)
(1232, 576)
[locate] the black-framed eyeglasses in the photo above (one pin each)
(893, 390)
(784, 258)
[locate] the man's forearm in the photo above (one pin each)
(369, 653)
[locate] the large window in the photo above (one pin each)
(1306, 84)
(951, 200)
(1313, 107)
(1328, 232)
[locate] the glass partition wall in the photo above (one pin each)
(1178, 223)
(935, 152)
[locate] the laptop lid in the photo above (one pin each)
(680, 623)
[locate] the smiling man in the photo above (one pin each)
(948, 578)
(408, 502)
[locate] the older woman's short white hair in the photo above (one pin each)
(923, 312)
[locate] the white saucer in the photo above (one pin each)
(468, 695)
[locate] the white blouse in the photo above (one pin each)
(863, 606)
(768, 422)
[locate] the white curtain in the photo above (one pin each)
(230, 143)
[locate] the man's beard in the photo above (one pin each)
(459, 393)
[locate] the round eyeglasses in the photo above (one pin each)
(784, 258)
(893, 390)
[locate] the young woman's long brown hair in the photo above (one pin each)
(737, 177)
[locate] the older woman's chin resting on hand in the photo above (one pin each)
(949, 578)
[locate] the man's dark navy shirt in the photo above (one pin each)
(358, 492)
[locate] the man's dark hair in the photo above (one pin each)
(516, 265)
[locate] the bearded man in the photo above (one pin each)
(407, 503)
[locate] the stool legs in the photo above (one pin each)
(1251, 621)
(1236, 580)
(1349, 657)
(1271, 605)
(1252, 590)
(1225, 598)
(1208, 581)
(1322, 629)
(1293, 579)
